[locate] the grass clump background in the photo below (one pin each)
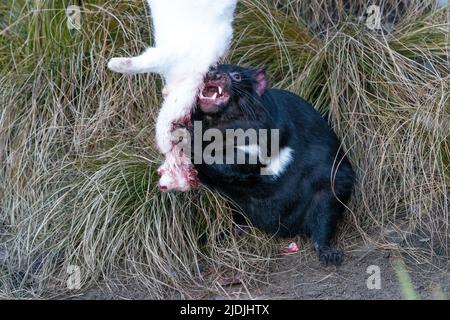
(78, 160)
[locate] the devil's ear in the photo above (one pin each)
(261, 82)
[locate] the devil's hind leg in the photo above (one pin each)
(321, 219)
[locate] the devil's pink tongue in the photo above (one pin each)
(210, 91)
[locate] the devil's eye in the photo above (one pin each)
(236, 76)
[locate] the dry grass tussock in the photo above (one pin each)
(77, 159)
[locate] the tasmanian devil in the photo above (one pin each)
(305, 185)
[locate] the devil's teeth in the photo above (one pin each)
(214, 96)
(220, 90)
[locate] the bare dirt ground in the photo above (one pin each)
(300, 276)
(309, 280)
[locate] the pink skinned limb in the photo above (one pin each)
(177, 172)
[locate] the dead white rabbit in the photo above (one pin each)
(190, 36)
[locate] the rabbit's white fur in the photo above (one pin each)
(189, 36)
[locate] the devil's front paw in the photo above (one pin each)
(330, 256)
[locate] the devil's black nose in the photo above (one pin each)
(213, 75)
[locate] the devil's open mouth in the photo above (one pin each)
(211, 92)
(211, 96)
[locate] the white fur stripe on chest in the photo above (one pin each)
(276, 164)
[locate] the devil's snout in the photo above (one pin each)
(213, 75)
